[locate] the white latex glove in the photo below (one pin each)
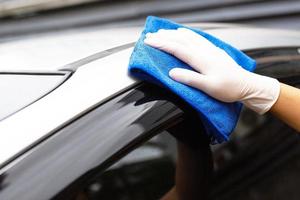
(219, 75)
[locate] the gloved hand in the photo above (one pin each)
(219, 75)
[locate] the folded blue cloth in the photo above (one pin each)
(150, 64)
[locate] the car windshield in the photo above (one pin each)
(19, 90)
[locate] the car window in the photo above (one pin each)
(18, 90)
(146, 173)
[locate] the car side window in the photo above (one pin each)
(146, 173)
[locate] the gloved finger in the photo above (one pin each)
(163, 34)
(165, 45)
(161, 37)
(207, 51)
(200, 56)
(169, 35)
(190, 78)
(195, 37)
(181, 51)
(168, 45)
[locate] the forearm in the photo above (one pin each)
(287, 106)
(193, 173)
(171, 195)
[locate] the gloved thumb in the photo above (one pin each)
(189, 77)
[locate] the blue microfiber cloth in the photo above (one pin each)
(150, 64)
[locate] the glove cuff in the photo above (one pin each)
(264, 95)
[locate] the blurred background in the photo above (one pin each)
(19, 17)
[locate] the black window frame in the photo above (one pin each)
(151, 111)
